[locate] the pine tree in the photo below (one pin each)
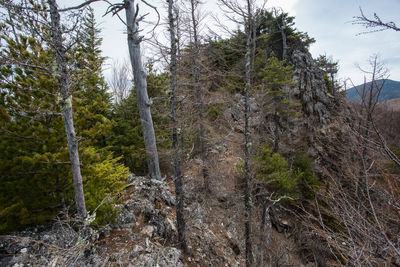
(278, 30)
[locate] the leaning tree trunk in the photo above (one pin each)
(199, 96)
(66, 105)
(180, 220)
(247, 190)
(141, 90)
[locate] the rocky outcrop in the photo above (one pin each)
(139, 237)
(309, 90)
(310, 87)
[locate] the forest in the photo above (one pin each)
(235, 149)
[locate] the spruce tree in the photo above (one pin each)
(329, 69)
(102, 174)
(126, 138)
(276, 77)
(35, 173)
(92, 100)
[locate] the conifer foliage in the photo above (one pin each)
(35, 170)
(276, 77)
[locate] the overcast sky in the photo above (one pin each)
(327, 21)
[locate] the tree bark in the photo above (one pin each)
(276, 133)
(180, 220)
(262, 235)
(141, 90)
(66, 103)
(199, 95)
(284, 42)
(247, 133)
(283, 34)
(333, 84)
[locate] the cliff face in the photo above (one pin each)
(349, 162)
(311, 88)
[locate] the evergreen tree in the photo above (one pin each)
(33, 163)
(103, 175)
(329, 68)
(35, 174)
(93, 102)
(126, 138)
(278, 31)
(276, 77)
(294, 180)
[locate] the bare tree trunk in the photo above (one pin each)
(263, 239)
(284, 43)
(178, 37)
(333, 85)
(247, 133)
(180, 220)
(199, 95)
(66, 103)
(276, 133)
(282, 32)
(141, 90)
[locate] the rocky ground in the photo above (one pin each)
(144, 235)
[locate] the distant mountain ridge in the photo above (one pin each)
(391, 90)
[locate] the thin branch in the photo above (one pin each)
(376, 23)
(84, 4)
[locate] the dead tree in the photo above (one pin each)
(281, 25)
(63, 81)
(61, 74)
(250, 40)
(369, 96)
(134, 40)
(180, 220)
(199, 91)
(120, 82)
(246, 14)
(363, 233)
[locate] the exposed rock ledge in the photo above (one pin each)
(144, 227)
